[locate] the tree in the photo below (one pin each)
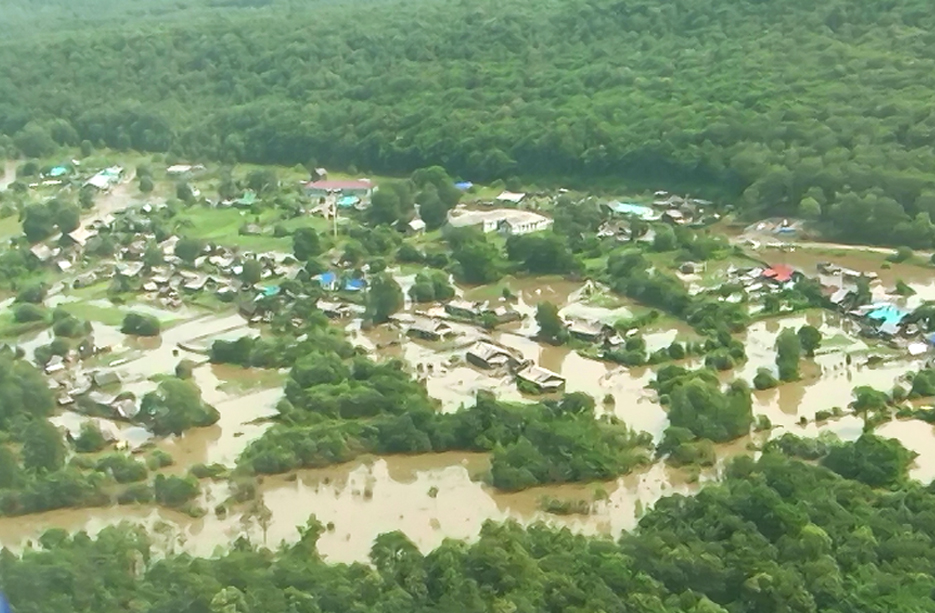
(809, 339)
(43, 447)
(153, 256)
(788, 353)
(664, 240)
(252, 272)
(38, 222)
(146, 184)
(541, 253)
(809, 208)
(552, 328)
(876, 461)
(35, 141)
(188, 249)
(140, 324)
(68, 218)
(183, 192)
(90, 439)
(700, 406)
(384, 297)
(305, 244)
(176, 406)
(479, 261)
(262, 180)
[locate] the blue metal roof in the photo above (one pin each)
(354, 285)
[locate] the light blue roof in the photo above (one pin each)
(887, 314)
(58, 171)
(464, 185)
(631, 208)
(348, 201)
(270, 290)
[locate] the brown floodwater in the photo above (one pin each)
(919, 437)
(430, 498)
(827, 381)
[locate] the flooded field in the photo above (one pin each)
(427, 497)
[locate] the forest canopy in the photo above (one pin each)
(783, 108)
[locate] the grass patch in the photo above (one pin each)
(252, 379)
(110, 316)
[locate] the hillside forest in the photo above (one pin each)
(779, 108)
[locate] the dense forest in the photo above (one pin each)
(780, 107)
(778, 536)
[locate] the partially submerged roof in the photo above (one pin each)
(340, 185)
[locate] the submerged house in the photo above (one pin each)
(780, 273)
(541, 380)
(462, 308)
(590, 331)
(487, 355)
(430, 330)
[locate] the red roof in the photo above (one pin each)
(780, 273)
(339, 185)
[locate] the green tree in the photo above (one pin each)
(384, 297)
(552, 328)
(43, 447)
(146, 184)
(38, 222)
(90, 439)
(252, 272)
(809, 339)
(176, 406)
(140, 324)
(305, 244)
(188, 249)
(68, 218)
(788, 353)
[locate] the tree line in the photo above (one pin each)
(781, 108)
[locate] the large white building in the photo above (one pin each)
(505, 221)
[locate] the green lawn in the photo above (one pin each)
(222, 226)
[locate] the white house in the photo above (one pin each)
(506, 221)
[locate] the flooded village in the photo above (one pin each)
(211, 268)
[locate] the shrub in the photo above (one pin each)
(139, 324)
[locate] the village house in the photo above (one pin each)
(501, 314)
(487, 355)
(361, 188)
(462, 308)
(430, 330)
(589, 331)
(541, 380)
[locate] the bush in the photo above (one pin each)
(34, 293)
(764, 379)
(159, 459)
(28, 312)
(139, 324)
(172, 491)
(138, 493)
(123, 468)
(90, 439)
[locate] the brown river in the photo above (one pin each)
(433, 497)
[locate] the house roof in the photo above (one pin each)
(780, 273)
(507, 196)
(489, 352)
(338, 185)
(417, 224)
(429, 325)
(539, 375)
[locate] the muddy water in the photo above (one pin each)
(243, 418)
(919, 437)
(363, 500)
(827, 381)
